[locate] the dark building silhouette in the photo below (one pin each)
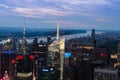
(40, 52)
(48, 39)
(93, 40)
(35, 41)
(24, 66)
(102, 54)
(7, 63)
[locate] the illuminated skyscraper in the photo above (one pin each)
(56, 55)
(56, 51)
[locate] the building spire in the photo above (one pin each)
(24, 29)
(24, 43)
(58, 27)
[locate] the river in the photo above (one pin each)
(88, 33)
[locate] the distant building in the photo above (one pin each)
(93, 40)
(105, 74)
(35, 41)
(93, 35)
(48, 39)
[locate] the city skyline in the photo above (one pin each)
(78, 14)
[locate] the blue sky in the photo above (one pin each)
(74, 14)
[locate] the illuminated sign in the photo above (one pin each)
(67, 54)
(45, 70)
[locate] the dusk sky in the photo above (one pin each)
(74, 14)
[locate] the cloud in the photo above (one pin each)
(88, 12)
(78, 2)
(4, 6)
(39, 12)
(41, 8)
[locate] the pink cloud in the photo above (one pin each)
(39, 12)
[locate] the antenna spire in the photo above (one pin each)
(24, 29)
(24, 43)
(58, 27)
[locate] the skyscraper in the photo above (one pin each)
(56, 55)
(56, 51)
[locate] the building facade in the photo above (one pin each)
(105, 74)
(55, 55)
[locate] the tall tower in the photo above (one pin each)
(58, 27)
(56, 53)
(55, 57)
(24, 43)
